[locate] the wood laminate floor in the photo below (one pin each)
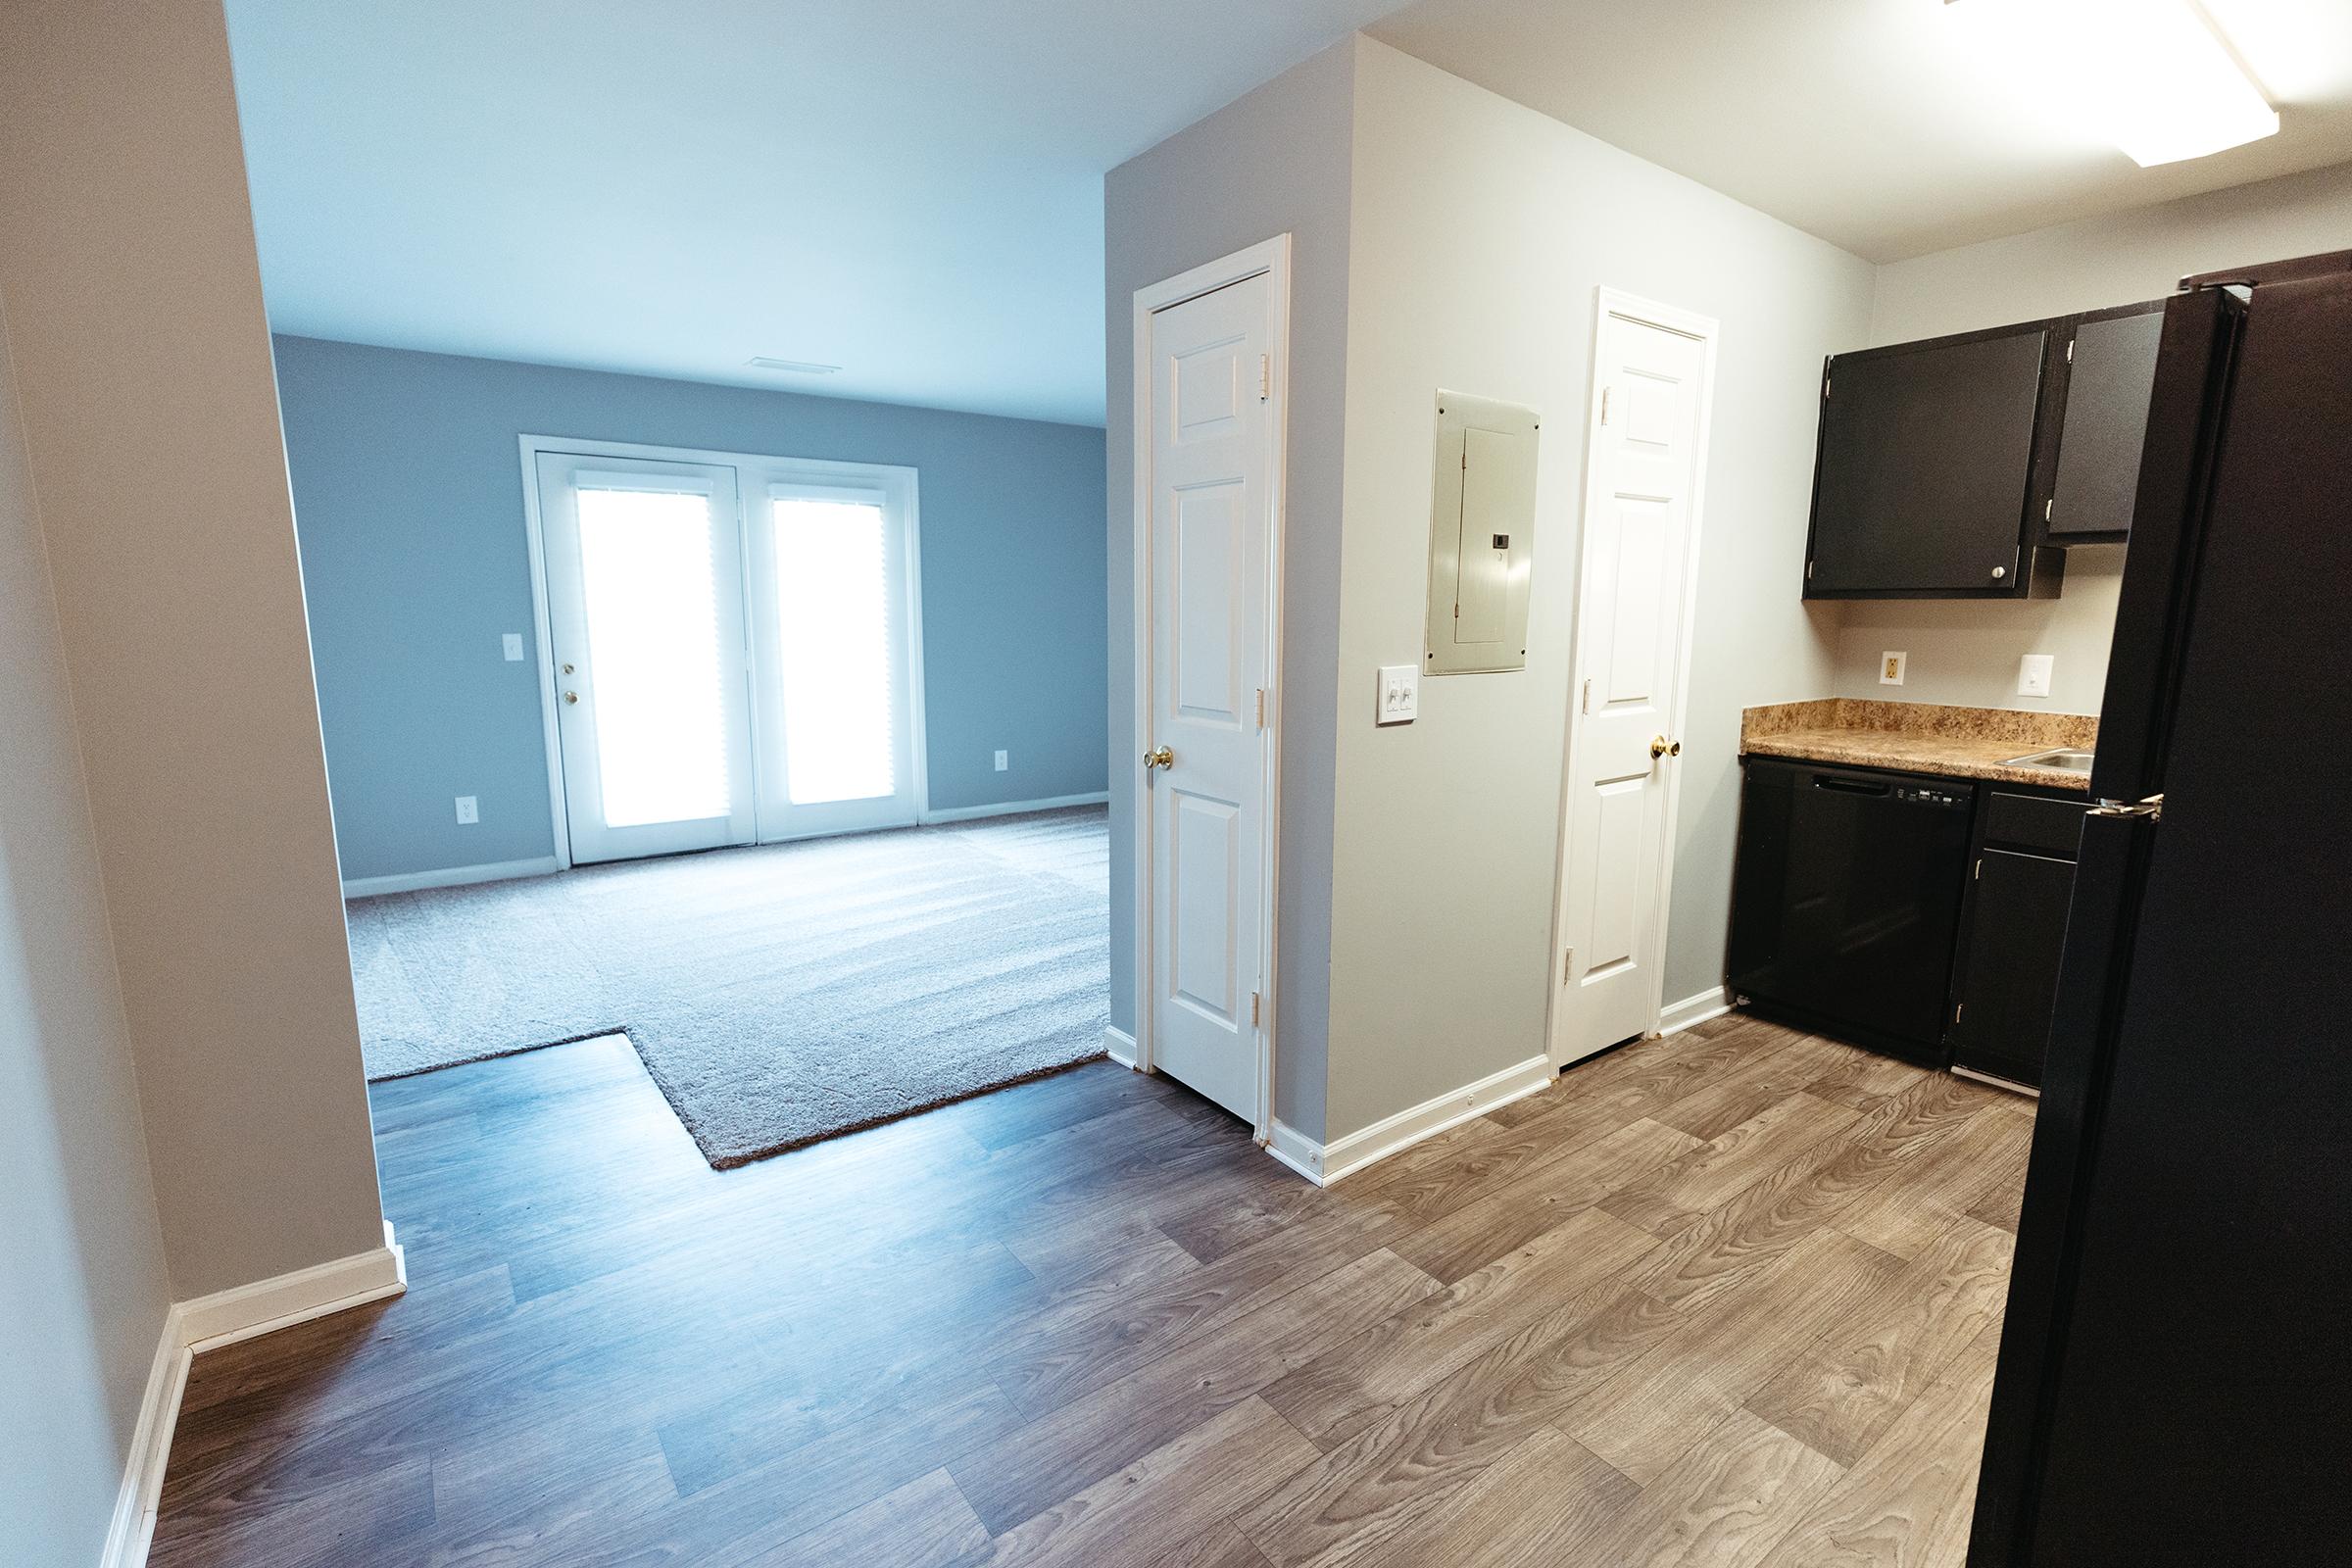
(1726, 1298)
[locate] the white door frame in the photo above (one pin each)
(1707, 331)
(903, 484)
(1271, 258)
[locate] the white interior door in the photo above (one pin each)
(646, 619)
(1211, 455)
(1650, 394)
(832, 605)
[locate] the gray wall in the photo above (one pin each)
(1273, 162)
(408, 493)
(150, 425)
(82, 1285)
(1968, 652)
(1481, 232)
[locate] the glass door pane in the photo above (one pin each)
(833, 651)
(646, 615)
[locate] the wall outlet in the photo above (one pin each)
(1004, 760)
(469, 812)
(1400, 694)
(512, 643)
(2033, 674)
(1891, 669)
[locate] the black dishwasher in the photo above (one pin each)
(1846, 900)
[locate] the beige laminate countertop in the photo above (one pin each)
(1919, 737)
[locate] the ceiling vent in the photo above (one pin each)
(761, 361)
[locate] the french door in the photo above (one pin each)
(733, 649)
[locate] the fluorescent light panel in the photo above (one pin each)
(2151, 75)
(761, 361)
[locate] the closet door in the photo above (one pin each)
(834, 656)
(645, 581)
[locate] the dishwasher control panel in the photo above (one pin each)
(1933, 795)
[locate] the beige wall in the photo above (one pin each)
(1964, 653)
(150, 418)
(1481, 232)
(1273, 162)
(83, 1289)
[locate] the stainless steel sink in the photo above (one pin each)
(2064, 760)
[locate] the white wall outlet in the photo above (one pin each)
(1891, 669)
(2033, 674)
(1004, 760)
(1400, 694)
(469, 812)
(512, 642)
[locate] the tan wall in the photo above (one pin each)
(81, 1258)
(150, 417)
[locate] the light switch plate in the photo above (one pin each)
(512, 642)
(1400, 694)
(2033, 674)
(1891, 669)
(469, 812)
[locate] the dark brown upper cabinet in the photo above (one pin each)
(1959, 468)
(1924, 482)
(2105, 373)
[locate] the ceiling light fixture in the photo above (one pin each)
(2151, 75)
(762, 361)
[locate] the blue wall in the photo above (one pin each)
(408, 500)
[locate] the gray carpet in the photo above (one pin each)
(778, 994)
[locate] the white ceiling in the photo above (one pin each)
(911, 189)
(1866, 121)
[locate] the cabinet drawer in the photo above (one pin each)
(2033, 823)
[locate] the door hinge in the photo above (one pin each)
(2070, 351)
(1253, 1010)
(1261, 708)
(1265, 378)
(1825, 386)
(2047, 507)
(1808, 571)
(1604, 404)
(2152, 808)
(1567, 964)
(1587, 706)
(1977, 875)
(1957, 1011)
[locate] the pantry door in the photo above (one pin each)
(646, 635)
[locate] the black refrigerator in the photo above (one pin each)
(2174, 1383)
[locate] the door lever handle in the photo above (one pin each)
(1163, 757)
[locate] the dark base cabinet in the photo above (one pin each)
(1919, 917)
(2013, 930)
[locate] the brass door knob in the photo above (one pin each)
(1660, 746)
(1163, 757)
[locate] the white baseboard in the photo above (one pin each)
(449, 876)
(206, 1323)
(966, 814)
(1120, 1045)
(1325, 1163)
(133, 1525)
(1711, 1002)
(212, 1321)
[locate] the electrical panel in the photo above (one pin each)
(1482, 536)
